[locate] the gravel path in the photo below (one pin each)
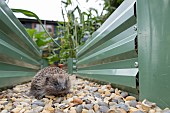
(86, 97)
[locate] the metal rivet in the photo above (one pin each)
(135, 28)
(136, 64)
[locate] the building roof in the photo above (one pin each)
(26, 20)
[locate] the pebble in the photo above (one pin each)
(39, 108)
(84, 111)
(133, 103)
(4, 111)
(117, 92)
(112, 90)
(16, 110)
(77, 100)
(3, 102)
(88, 106)
(94, 89)
(124, 94)
(101, 103)
(97, 94)
(59, 100)
(129, 98)
(123, 106)
(79, 108)
(50, 97)
(39, 103)
(91, 111)
(103, 109)
(84, 97)
(138, 111)
(96, 107)
(107, 93)
(72, 110)
(100, 91)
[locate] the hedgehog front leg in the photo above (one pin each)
(40, 94)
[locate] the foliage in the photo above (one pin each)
(31, 14)
(71, 33)
(110, 6)
(78, 29)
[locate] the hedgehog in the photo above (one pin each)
(50, 81)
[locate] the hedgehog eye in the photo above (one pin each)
(47, 78)
(56, 83)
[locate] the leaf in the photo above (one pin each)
(27, 13)
(31, 32)
(69, 2)
(41, 42)
(40, 35)
(53, 58)
(66, 3)
(95, 10)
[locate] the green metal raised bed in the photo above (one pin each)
(131, 50)
(20, 58)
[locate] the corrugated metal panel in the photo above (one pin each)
(71, 65)
(20, 58)
(154, 50)
(110, 54)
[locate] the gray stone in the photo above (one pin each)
(166, 111)
(101, 103)
(87, 101)
(59, 100)
(112, 103)
(88, 106)
(97, 94)
(94, 89)
(103, 109)
(34, 105)
(115, 100)
(119, 100)
(16, 103)
(112, 90)
(63, 106)
(124, 94)
(39, 103)
(79, 108)
(123, 106)
(133, 103)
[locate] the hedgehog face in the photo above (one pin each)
(59, 81)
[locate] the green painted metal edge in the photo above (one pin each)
(71, 65)
(110, 55)
(20, 57)
(14, 24)
(154, 45)
(126, 77)
(129, 32)
(123, 46)
(125, 11)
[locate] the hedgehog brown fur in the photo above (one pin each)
(50, 81)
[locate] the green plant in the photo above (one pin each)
(72, 33)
